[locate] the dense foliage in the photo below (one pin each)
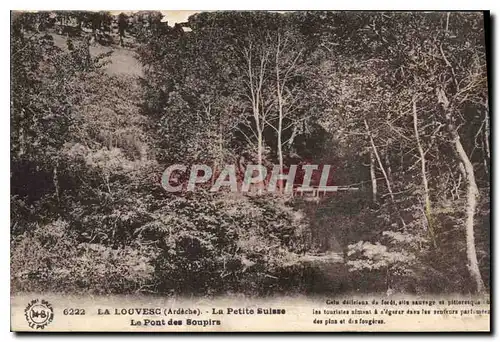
(396, 102)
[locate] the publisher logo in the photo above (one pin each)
(39, 313)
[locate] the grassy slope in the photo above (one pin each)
(123, 61)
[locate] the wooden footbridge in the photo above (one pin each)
(319, 191)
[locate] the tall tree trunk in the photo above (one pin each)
(388, 152)
(472, 195)
(279, 95)
(375, 151)
(388, 164)
(255, 96)
(425, 183)
(55, 180)
(259, 147)
(280, 157)
(260, 143)
(487, 132)
(486, 139)
(373, 176)
(279, 132)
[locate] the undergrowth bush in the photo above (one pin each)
(49, 258)
(211, 245)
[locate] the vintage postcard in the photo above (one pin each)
(223, 171)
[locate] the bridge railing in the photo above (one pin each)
(318, 191)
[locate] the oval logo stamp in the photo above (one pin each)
(39, 313)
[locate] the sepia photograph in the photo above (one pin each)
(221, 171)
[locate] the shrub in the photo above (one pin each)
(50, 258)
(214, 245)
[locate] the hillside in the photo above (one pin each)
(123, 60)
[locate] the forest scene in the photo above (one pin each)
(395, 103)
